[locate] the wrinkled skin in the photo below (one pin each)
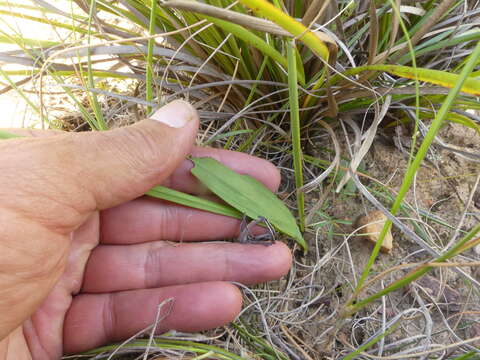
(85, 259)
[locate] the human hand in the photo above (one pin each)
(85, 259)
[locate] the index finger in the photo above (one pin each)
(244, 164)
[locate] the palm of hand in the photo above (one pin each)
(104, 281)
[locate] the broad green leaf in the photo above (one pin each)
(247, 195)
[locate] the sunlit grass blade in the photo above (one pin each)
(288, 23)
(57, 24)
(438, 77)
(295, 129)
(251, 39)
(27, 42)
(19, 91)
(100, 123)
(149, 63)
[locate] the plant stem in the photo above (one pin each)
(151, 43)
(295, 126)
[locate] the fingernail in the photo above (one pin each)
(175, 114)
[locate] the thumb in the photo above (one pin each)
(122, 164)
(82, 172)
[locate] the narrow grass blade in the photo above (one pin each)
(467, 356)
(27, 42)
(295, 129)
(56, 24)
(417, 273)
(374, 33)
(463, 120)
(162, 343)
(19, 91)
(151, 43)
(92, 96)
(229, 135)
(470, 85)
(161, 192)
(354, 354)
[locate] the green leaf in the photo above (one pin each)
(161, 192)
(247, 195)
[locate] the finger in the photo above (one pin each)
(97, 319)
(157, 264)
(147, 219)
(262, 170)
(82, 172)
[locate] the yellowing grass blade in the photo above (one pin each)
(316, 42)
(437, 77)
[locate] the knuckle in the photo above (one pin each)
(153, 266)
(174, 221)
(109, 315)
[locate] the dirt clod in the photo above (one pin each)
(372, 225)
